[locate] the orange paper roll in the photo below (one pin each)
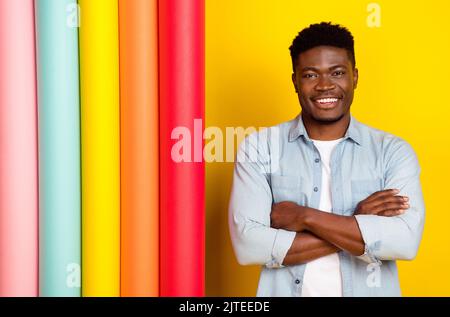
(138, 25)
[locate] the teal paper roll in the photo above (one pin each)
(59, 147)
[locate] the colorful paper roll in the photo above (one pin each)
(100, 147)
(18, 151)
(138, 25)
(181, 54)
(59, 147)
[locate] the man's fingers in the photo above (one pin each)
(389, 206)
(383, 202)
(386, 202)
(382, 193)
(389, 199)
(392, 212)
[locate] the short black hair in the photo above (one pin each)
(323, 33)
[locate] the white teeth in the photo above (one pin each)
(327, 100)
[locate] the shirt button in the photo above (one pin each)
(316, 189)
(317, 160)
(297, 281)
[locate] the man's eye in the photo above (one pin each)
(338, 73)
(309, 75)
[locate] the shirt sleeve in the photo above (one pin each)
(253, 240)
(396, 238)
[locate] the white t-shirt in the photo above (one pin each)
(323, 276)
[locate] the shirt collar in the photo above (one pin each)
(298, 129)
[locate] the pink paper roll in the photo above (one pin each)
(182, 186)
(18, 151)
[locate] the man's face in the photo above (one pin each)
(325, 80)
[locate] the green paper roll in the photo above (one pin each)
(59, 147)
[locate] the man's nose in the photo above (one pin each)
(324, 84)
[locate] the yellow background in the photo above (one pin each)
(404, 69)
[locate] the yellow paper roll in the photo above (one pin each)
(100, 150)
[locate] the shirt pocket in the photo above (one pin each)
(363, 188)
(288, 188)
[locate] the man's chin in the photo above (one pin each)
(328, 119)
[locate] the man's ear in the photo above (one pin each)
(294, 81)
(355, 78)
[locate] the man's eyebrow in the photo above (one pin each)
(315, 69)
(304, 69)
(337, 66)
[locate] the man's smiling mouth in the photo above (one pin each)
(326, 102)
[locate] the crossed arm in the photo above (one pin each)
(285, 233)
(321, 233)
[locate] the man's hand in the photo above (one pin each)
(383, 203)
(288, 215)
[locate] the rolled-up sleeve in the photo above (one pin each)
(253, 240)
(396, 238)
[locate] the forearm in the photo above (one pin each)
(341, 231)
(306, 248)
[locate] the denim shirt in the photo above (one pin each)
(281, 163)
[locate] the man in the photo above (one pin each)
(330, 206)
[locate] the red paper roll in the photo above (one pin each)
(182, 186)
